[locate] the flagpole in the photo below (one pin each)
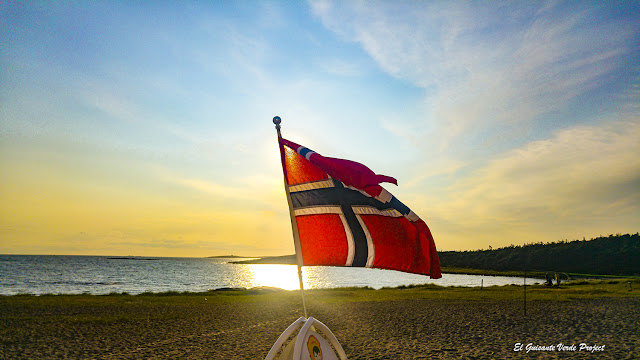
(294, 224)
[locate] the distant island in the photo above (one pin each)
(611, 255)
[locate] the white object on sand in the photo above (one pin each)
(314, 341)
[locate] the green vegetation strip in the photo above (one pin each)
(124, 309)
(566, 292)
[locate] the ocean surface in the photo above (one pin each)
(50, 274)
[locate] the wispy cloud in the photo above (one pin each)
(340, 67)
(261, 189)
(516, 144)
(582, 179)
(489, 66)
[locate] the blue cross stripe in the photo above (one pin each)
(339, 195)
(346, 199)
(303, 151)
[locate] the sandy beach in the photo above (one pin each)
(245, 327)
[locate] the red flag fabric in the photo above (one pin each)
(345, 218)
(349, 172)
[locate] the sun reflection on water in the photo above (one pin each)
(271, 275)
(314, 277)
(319, 277)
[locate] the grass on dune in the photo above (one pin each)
(567, 291)
(121, 308)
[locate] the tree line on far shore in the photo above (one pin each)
(611, 255)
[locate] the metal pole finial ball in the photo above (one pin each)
(277, 120)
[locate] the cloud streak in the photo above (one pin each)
(485, 67)
(583, 179)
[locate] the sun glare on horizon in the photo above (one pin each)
(279, 276)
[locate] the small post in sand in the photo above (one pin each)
(525, 291)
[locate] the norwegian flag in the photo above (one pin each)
(345, 218)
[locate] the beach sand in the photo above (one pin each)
(197, 327)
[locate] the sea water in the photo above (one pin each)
(51, 274)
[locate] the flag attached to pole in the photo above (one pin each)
(345, 218)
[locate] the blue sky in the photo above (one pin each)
(145, 127)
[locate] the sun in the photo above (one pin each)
(279, 276)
